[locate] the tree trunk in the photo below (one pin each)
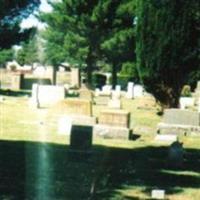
(89, 76)
(90, 63)
(114, 75)
(54, 74)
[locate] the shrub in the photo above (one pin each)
(186, 91)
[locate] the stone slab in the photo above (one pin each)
(114, 103)
(181, 117)
(130, 90)
(65, 122)
(65, 125)
(81, 138)
(164, 128)
(83, 120)
(158, 194)
(46, 95)
(112, 117)
(110, 132)
(102, 100)
(75, 77)
(78, 106)
(166, 138)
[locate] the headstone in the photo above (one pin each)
(65, 125)
(34, 98)
(106, 90)
(76, 106)
(118, 91)
(186, 102)
(85, 94)
(16, 81)
(181, 117)
(117, 118)
(63, 78)
(175, 154)
(97, 92)
(166, 138)
(114, 103)
(138, 91)
(47, 95)
(158, 194)
(198, 86)
(130, 90)
(39, 71)
(102, 100)
(111, 132)
(1, 99)
(81, 138)
(75, 77)
(116, 94)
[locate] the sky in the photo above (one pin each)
(32, 20)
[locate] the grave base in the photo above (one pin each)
(164, 128)
(83, 120)
(110, 132)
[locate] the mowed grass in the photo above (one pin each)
(36, 162)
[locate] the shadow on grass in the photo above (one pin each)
(48, 171)
(13, 93)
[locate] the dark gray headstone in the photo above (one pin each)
(81, 138)
(175, 154)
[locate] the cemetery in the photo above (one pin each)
(99, 100)
(77, 130)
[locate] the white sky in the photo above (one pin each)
(32, 20)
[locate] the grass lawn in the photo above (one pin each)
(36, 163)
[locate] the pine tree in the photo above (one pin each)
(168, 41)
(72, 35)
(90, 33)
(11, 14)
(118, 45)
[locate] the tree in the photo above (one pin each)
(87, 33)
(72, 35)
(168, 46)
(5, 56)
(11, 14)
(30, 51)
(118, 44)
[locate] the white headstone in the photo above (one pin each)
(138, 91)
(114, 103)
(198, 106)
(116, 94)
(106, 90)
(65, 125)
(47, 94)
(1, 99)
(185, 102)
(97, 92)
(34, 98)
(158, 194)
(39, 71)
(166, 138)
(75, 77)
(130, 90)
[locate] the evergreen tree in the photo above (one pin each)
(29, 52)
(86, 33)
(11, 14)
(72, 35)
(5, 56)
(118, 44)
(168, 46)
